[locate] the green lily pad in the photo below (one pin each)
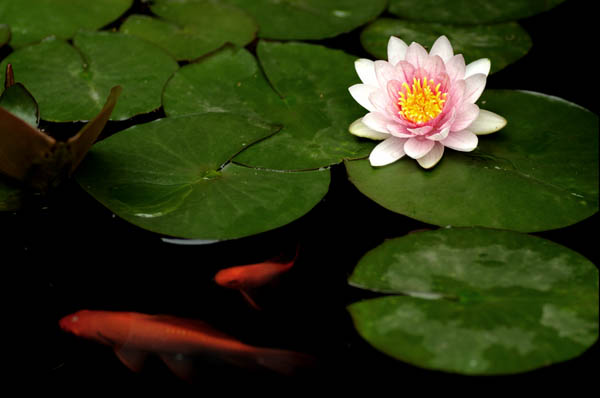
(192, 28)
(540, 172)
(18, 100)
(469, 11)
(71, 83)
(477, 301)
(502, 43)
(4, 34)
(33, 20)
(309, 19)
(299, 93)
(174, 176)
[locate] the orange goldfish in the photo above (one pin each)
(134, 335)
(246, 277)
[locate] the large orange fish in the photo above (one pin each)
(134, 335)
(250, 276)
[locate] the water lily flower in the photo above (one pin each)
(420, 103)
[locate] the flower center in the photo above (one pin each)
(421, 102)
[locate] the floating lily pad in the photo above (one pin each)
(301, 94)
(477, 301)
(502, 43)
(4, 34)
(33, 20)
(540, 172)
(469, 11)
(71, 82)
(191, 28)
(174, 176)
(309, 19)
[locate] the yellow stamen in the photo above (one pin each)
(420, 103)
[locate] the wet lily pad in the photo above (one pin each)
(299, 93)
(188, 29)
(469, 11)
(71, 83)
(174, 176)
(4, 34)
(309, 19)
(540, 172)
(477, 301)
(502, 43)
(33, 20)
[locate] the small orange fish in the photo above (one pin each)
(251, 276)
(134, 335)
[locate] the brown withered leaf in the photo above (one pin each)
(37, 159)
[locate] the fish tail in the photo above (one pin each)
(284, 361)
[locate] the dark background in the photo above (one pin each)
(66, 252)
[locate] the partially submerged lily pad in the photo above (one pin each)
(502, 43)
(174, 176)
(309, 19)
(540, 172)
(299, 93)
(33, 20)
(71, 82)
(189, 29)
(477, 301)
(469, 11)
(18, 100)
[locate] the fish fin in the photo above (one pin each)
(133, 359)
(180, 365)
(284, 361)
(250, 300)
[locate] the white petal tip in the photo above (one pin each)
(487, 123)
(359, 129)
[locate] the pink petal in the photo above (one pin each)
(466, 114)
(387, 151)
(464, 141)
(432, 157)
(417, 148)
(421, 130)
(380, 100)
(442, 48)
(366, 71)
(361, 93)
(455, 67)
(384, 72)
(404, 72)
(416, 55)
(399, 130)
(440, 135)
(434, 67)
(482, 65)
(376, 121)
(396, 50)
(474, 86)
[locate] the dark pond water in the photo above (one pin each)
(66, 252)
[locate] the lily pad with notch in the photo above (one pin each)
(502, 43)
(538, 173)
(90, 67)
(464, 12)
(189, 29)
(477, 301)
(175, 176)
(33, 20)
(297, 92)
